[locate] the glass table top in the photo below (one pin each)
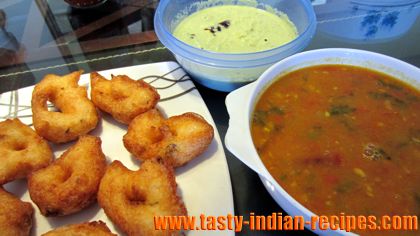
(52, 37)
(49, 36)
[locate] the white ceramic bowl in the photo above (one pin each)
(240, 104)
(363, 21)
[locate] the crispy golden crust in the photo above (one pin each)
(122, 97)
(132, 198)
(15, 215)
(94, 228)
(178, 139)
(21, 151)
(77, 115)
(71, 182)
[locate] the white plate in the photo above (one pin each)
(204, 183)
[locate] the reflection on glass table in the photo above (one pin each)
(10, 49)
(53, 29)
(57, 38)
(367, 21)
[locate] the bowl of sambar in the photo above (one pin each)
(334, 132)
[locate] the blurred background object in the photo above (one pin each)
(85, 3)
(365, 21)
(11, 51)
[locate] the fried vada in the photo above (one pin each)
(21, 151)
(131, 199)
(15, 215)
(94, 228)
(178, 139)
(122, 97)
(71, 182)
(77, 115)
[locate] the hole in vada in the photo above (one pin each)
(52, 107)
(119, 96)
(136, 197)
(65, 174)
(19, 146)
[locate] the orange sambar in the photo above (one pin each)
(342, 139)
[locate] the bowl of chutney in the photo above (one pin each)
(226, 44)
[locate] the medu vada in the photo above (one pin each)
(122, 97)
(15, 215)
(77, 115)
(21, 151)
(94, 228)
(131, 199)
(178, 139)
(71, 182)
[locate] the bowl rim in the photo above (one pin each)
(171, 42)
(376, 3)
(249, 95)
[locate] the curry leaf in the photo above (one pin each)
(260, 117)
(389, 85)
(345, 186)
(374, 152)
(394, 100)
(277, 110)
(314, 132)
(336, 110)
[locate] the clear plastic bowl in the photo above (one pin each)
(228, 71)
